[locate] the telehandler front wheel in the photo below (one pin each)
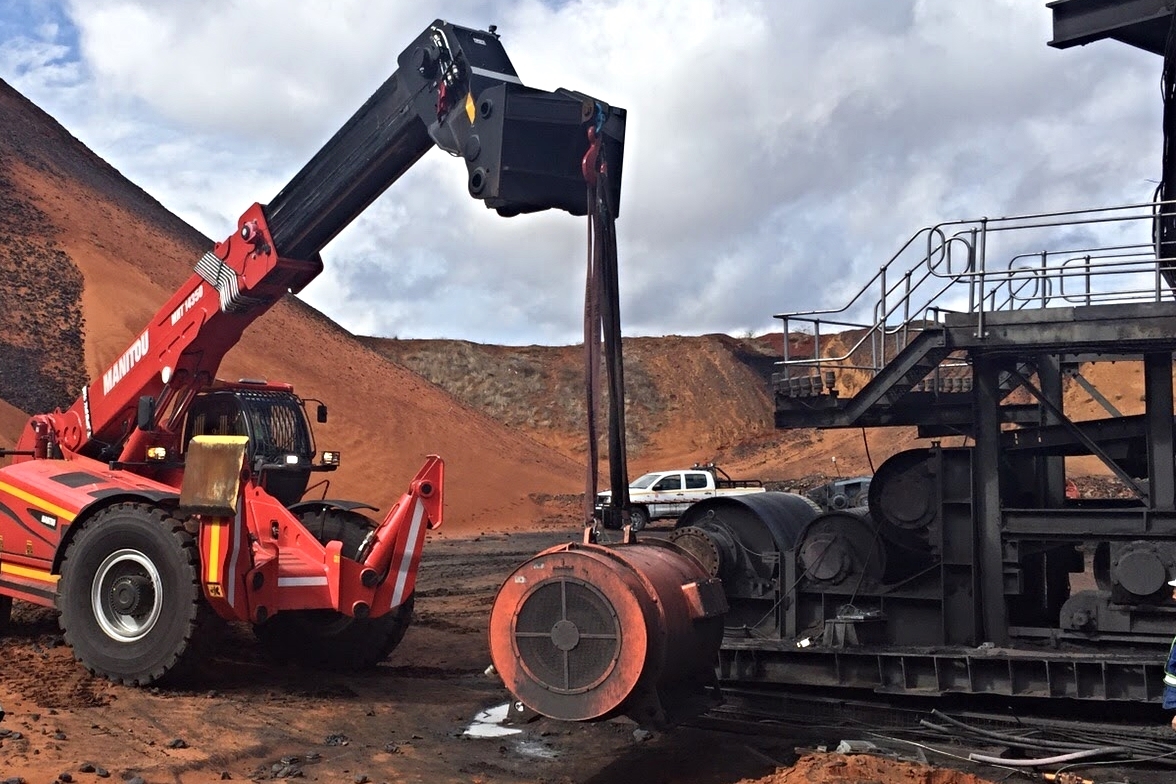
(130, 599)
(325, 638)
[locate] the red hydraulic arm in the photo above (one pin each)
(453, 87)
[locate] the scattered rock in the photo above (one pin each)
(338, 739)
(641, 735)
(177, 743)
(281, 771)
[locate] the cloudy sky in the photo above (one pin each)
(777, 152)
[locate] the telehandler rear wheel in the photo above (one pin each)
(5, 613)
(129, 596)
(329, 639)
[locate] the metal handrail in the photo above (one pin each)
(1096, 267)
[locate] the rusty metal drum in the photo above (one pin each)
(588, 631)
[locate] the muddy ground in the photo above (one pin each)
(249, 718)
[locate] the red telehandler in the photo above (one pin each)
(163, 497)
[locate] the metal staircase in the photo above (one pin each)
(963, 287)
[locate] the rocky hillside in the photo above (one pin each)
(672, 386)
(688, 400)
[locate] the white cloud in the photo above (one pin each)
(777, 153)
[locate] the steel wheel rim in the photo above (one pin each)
(126, 596)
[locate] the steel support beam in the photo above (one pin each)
(1157, 385)
(986, 487)
(1053, 468)
(1141, 23)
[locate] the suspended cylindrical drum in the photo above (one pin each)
(584, 631)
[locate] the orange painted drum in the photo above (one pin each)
(588, 631)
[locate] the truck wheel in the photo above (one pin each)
(638, 518)
(330, 639)
(129, 597)
(5, 613)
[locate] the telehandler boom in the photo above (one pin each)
(163, 497)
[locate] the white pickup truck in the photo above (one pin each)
(663, 494)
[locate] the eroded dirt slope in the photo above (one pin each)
(688, 400)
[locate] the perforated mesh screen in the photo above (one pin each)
(586, 644)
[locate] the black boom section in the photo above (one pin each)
(369, 153)
(456, 88)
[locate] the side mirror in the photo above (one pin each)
(321, 413)
(145, 417)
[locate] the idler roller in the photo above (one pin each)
(585, 631)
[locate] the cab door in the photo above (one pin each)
(669, 497)
(697, 487)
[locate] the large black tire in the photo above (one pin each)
(130, 597)
(325, 638)
(638, 518)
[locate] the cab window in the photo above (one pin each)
(215, 415)
(695, 482)
(673, 482)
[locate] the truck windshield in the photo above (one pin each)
(642, 482)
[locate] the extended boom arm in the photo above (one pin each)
(453, 87)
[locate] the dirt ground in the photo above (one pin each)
(247, 717)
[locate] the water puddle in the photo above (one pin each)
(488, 724)
(533, 748)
